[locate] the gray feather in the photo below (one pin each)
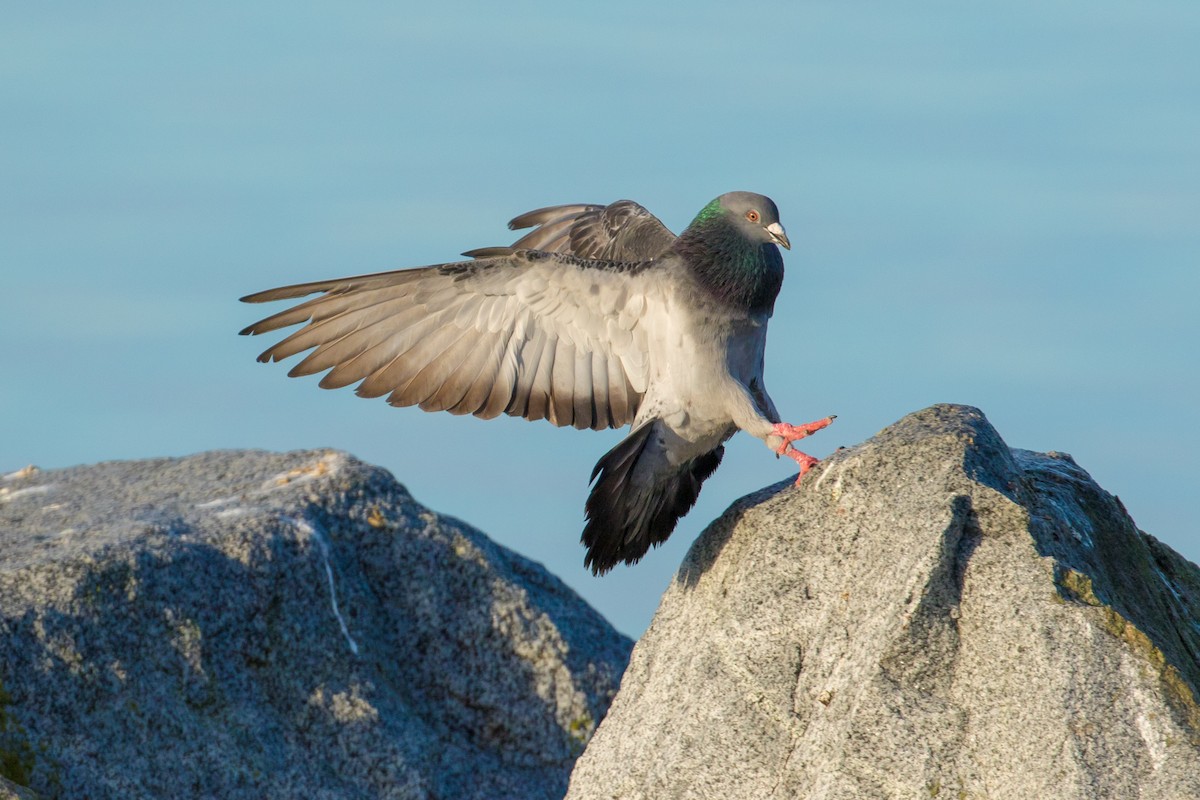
(461, 337)
(620, 231)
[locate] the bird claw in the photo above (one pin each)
(792, 433)
(805, 461)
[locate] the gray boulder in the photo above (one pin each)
(930, 615)
(250, 625)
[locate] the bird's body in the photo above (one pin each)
(610, 320)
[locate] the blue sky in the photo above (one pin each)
(993, 204)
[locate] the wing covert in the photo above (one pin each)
(620, 231)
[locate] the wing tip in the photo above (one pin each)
(265, 296)
(540, 216)
(488, 252)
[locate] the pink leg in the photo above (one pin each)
(792, 433)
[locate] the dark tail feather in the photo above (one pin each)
(627, 517)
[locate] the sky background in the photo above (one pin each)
(995, 204)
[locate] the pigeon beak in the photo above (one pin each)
(779, 235)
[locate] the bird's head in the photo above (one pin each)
(755, 216)
(730, 249)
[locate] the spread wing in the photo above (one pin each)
(530, 334)
(621, 231)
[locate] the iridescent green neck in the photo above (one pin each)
(743, 274)
(710, 211)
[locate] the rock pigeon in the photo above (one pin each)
(600, 317)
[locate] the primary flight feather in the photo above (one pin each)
(600, 317)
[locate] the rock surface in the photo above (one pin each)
(245, 624)
(930, 615)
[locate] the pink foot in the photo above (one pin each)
(805, 461)
(792, 433)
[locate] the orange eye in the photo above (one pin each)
(752, 215)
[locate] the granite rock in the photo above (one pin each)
(931, 614)
(247, 625)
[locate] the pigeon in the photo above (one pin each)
(600, 317)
